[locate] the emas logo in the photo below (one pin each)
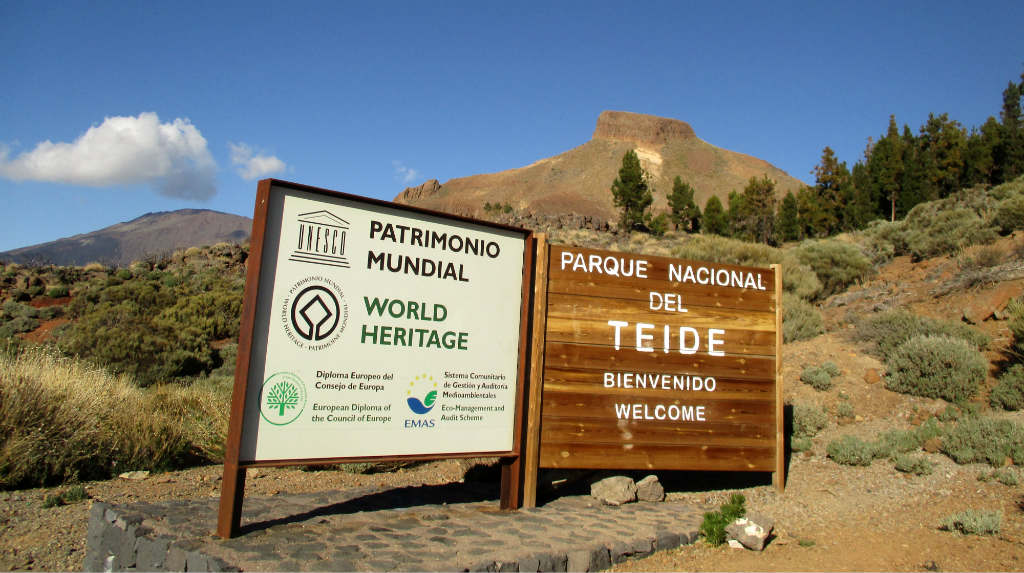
(282, 398)
(423, 406)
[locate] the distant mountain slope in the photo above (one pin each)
(151, 234)
(579, 180)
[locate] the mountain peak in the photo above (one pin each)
(641, 128)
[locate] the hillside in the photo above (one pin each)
(578, 180)
(153, 234)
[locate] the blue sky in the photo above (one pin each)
(112, 110)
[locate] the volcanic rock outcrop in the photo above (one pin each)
(579, 180)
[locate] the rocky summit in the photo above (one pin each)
(579, 180)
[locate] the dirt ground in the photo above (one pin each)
(830, 517)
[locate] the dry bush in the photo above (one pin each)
(63, 420)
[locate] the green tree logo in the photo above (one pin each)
(283, 396)
(282, 399)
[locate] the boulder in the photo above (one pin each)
(615, 490)
(871, 376)
(650, 489)
(985, 305)
(751, 530)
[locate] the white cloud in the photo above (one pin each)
(250, 166)
(405, 174)
(171, 157)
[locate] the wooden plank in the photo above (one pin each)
(640, 293)
(674, 457)
(597, 331)
(599, 431)
(633, 284)
(574, 380)
(577, 405)
(779, 475)
(531, 450)
(585, 357)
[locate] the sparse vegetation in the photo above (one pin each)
(977, 439)
(800, 319)
(889, 330)
(851, 451)
(837, 264)
(712, 528)
(974, 522)
(808, 420)
(936, 367)
(916, 465)
(1008, 393)
(817, 377)
(62, 420)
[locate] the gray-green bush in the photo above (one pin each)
(851, 451)
(808, 420)
(837, 264)
(916, 465)
(800, 319)
(974, 522)
(936, 367)
(890, 329)
(977, 439)
(1008, 392)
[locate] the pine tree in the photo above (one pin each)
(979, 156)
(715, 221)
(886, 168)
(631, 193)
(1009, 155)
(788, 219)
(685, 212)
(831, 177)
(736, 216)
(941, 152)
(759, 207)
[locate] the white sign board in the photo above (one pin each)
(381, 331)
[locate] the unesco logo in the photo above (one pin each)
(314, 313)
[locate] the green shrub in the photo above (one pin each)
(1008, 392)
(74, 494)
(851, 451)
(836, 263)
(22, 324)
(945, 232)
(914, 465)
(808, 420)
(974, 522)
(831, 368)
(936, 367)
(714, 523)
(800, 319)
(798, 444)
(59, 291)
(1015, 321)
(816, 377)
(1010, 215)
(881, 240)
(845, 410)
(984, 440)
(1006, 476)
(891, 329)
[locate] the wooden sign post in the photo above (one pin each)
(654, 363)
(375, 331)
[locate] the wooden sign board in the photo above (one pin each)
(658, 363)
(375, 331)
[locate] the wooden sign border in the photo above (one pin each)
(233, 485)
(531, 454)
